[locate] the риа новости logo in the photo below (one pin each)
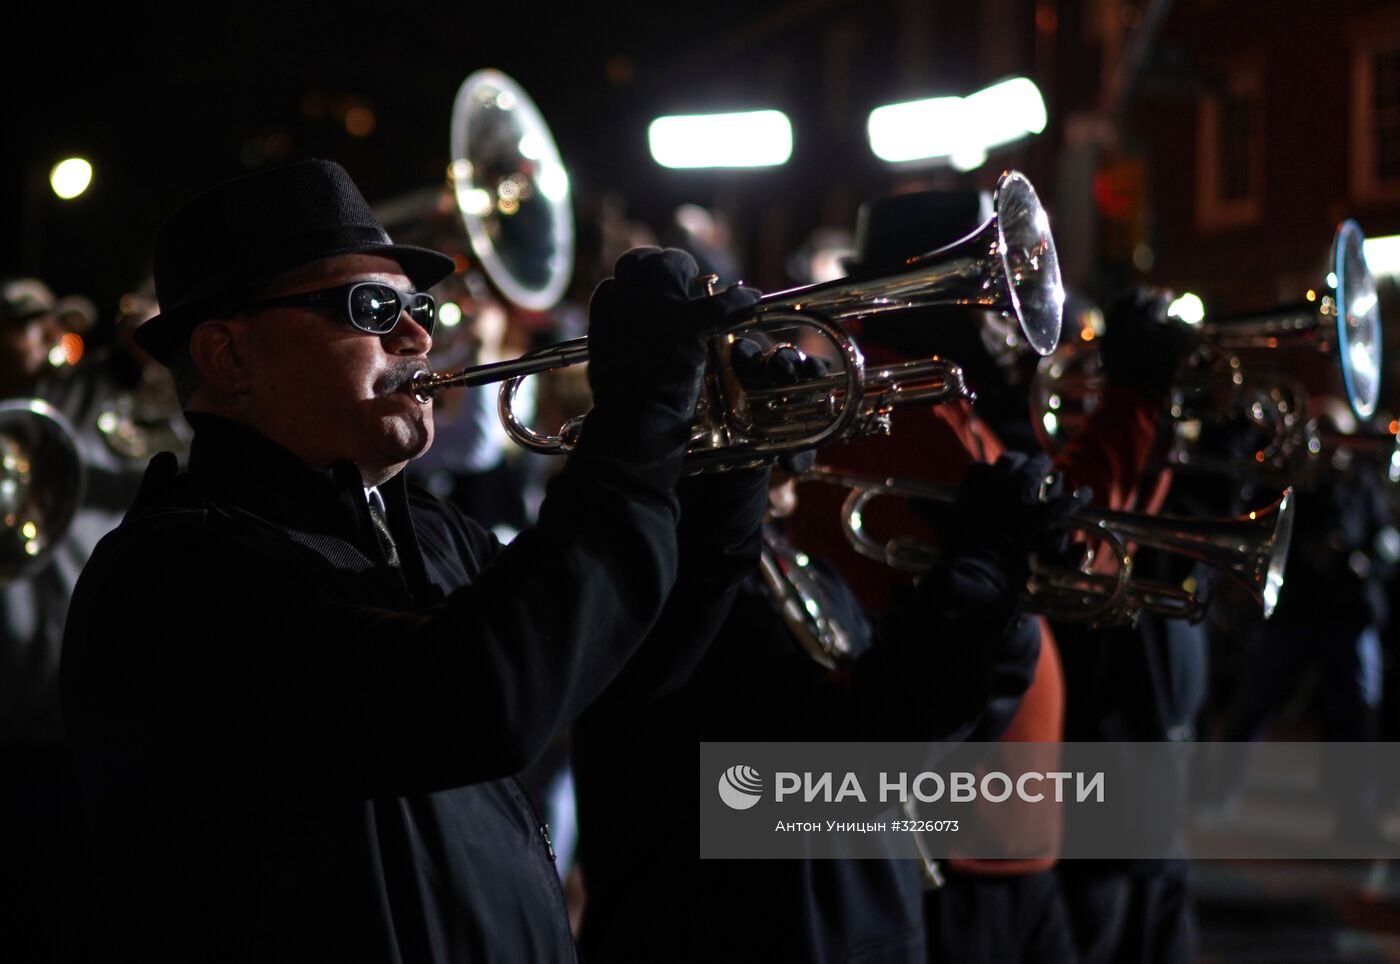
(740, 787)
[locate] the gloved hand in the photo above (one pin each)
(777, 367)
(1142, 347)
(649, 327)
(1003, 514)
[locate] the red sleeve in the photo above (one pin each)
(1110, 452)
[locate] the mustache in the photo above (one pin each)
(400, 373)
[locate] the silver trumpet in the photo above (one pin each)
(1251, 549)
(1008, 264)
(1245, 372)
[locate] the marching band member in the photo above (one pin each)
(952, 661)
(988, 909)
(299, 691)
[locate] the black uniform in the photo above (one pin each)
(295, 751)
(935, 673)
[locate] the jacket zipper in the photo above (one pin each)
(540, 826)
(553, 871)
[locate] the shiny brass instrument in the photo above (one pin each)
(1008, 264)
(1242, 374)
(1252, 550)
(801, 601)
(136, 426)
(512, 190)
(41, 484)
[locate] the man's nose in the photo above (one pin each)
(408, 337)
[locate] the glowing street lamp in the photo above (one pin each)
(71, 177)
(960, 130)
(760, 138)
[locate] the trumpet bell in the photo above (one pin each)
(1029, 261)
(1358, 320)
(1275, 556)
(1008, 265)
(41, 484)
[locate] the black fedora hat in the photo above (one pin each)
(891, 229)
(253, 228)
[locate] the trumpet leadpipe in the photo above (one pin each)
(426, 384)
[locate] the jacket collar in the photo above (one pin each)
(234, 464)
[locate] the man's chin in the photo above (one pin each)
(402, 441)
(414, 444)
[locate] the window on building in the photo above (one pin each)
(1230, 152)
(1376, 120)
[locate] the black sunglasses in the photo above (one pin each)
(370, 306)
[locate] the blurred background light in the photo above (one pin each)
(761, 138)
(71, 177)
(1189, 308)
(1005, 112)
(1382, 254)
(917, 129)
(959, 129)
(449, 314)
(359, 122)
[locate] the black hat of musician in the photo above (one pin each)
(892, 229)
(224, 243)
(24, 299)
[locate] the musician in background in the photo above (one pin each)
(989, 910)
(951, 663)
(1142, 682)
(472, 461)
(1330, 614)
(299, 691)
(42, 888)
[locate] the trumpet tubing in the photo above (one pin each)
(1251, 549)
(796, 408)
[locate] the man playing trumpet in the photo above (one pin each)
(300, 690)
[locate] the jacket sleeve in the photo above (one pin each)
(720, 536)
(189, 645)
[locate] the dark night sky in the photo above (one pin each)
(168, 108)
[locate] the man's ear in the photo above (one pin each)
(219, 354)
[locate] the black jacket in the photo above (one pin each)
(935, 672)
(294, 752)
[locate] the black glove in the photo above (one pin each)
(1142, 347)
(777, 367)
(1004, 514)
(649, 328)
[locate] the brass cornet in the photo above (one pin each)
(1008, 264)
(1244, 372)
(1251, 549)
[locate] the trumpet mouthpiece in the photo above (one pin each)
(423, 385)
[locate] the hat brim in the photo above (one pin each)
(163, 334)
